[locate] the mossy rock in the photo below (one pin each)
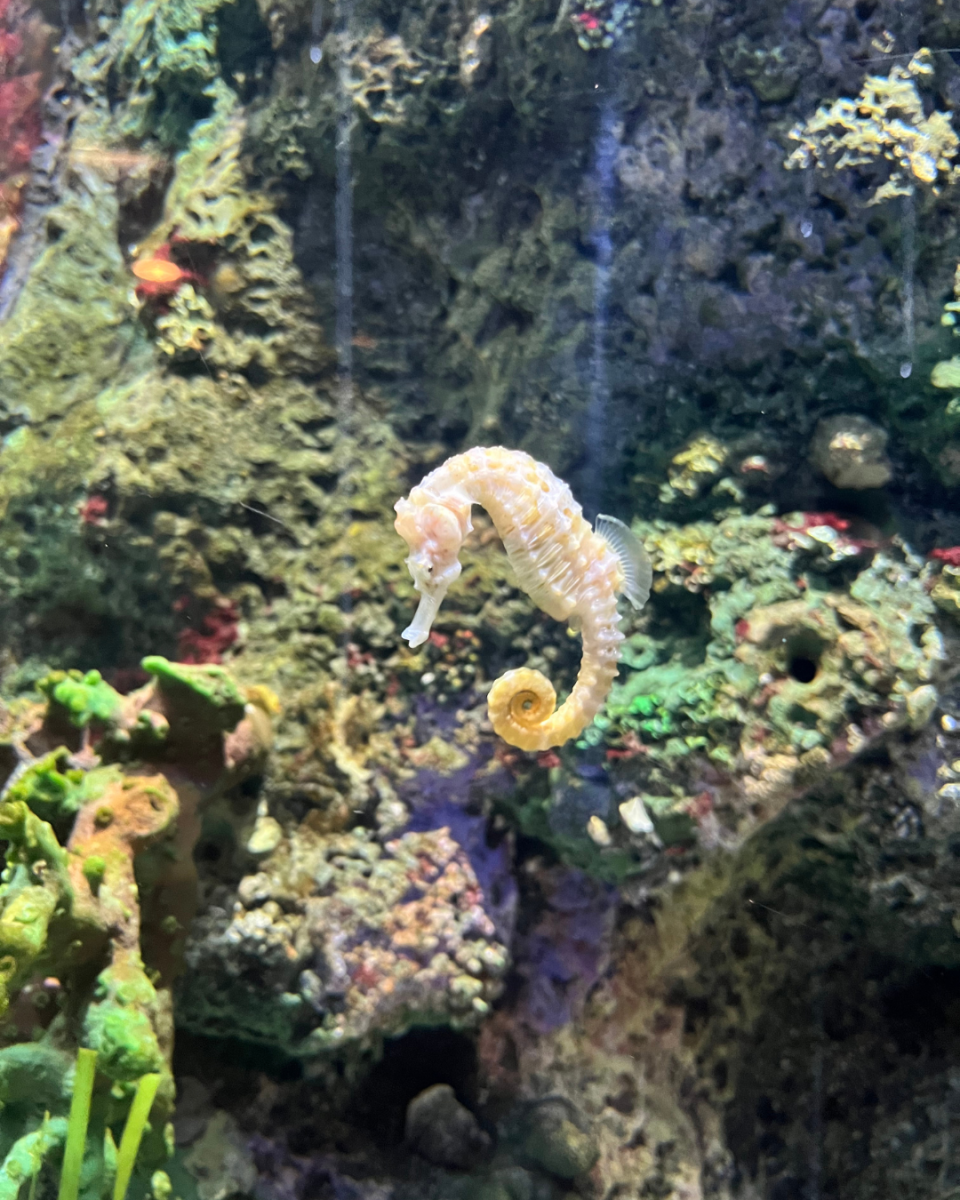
(206, 692)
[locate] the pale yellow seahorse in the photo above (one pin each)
(571, 571)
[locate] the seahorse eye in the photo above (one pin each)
(441, 529)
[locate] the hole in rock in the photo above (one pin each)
(803, 650)
(410, 1064)
(802, 668)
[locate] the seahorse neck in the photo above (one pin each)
(488, 480)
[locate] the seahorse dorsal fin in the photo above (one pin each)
(634, 562)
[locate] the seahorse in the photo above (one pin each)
(571, 571)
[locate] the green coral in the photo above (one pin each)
(36, 1081)
(71, 891)
(84, 697)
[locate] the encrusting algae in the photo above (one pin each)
(571, 571)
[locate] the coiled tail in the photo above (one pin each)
(522, 703)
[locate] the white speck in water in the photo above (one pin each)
(315, 54)
(906, 370)
(806, 228)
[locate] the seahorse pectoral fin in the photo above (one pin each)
(417, 632)
(634, 561)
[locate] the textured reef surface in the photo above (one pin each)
(700, 257)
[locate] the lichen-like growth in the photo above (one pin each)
(188, 327)
(886, 121)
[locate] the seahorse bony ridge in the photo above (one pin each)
(570, 571)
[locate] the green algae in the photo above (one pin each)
(69, 339)
(71, 892)
(94, 869)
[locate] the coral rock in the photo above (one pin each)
(851, 452)
(338, 941)
(442, 1131)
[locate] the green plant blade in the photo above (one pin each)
(77, 1124)
(133, 1132)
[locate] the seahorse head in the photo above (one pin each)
(434, 533)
